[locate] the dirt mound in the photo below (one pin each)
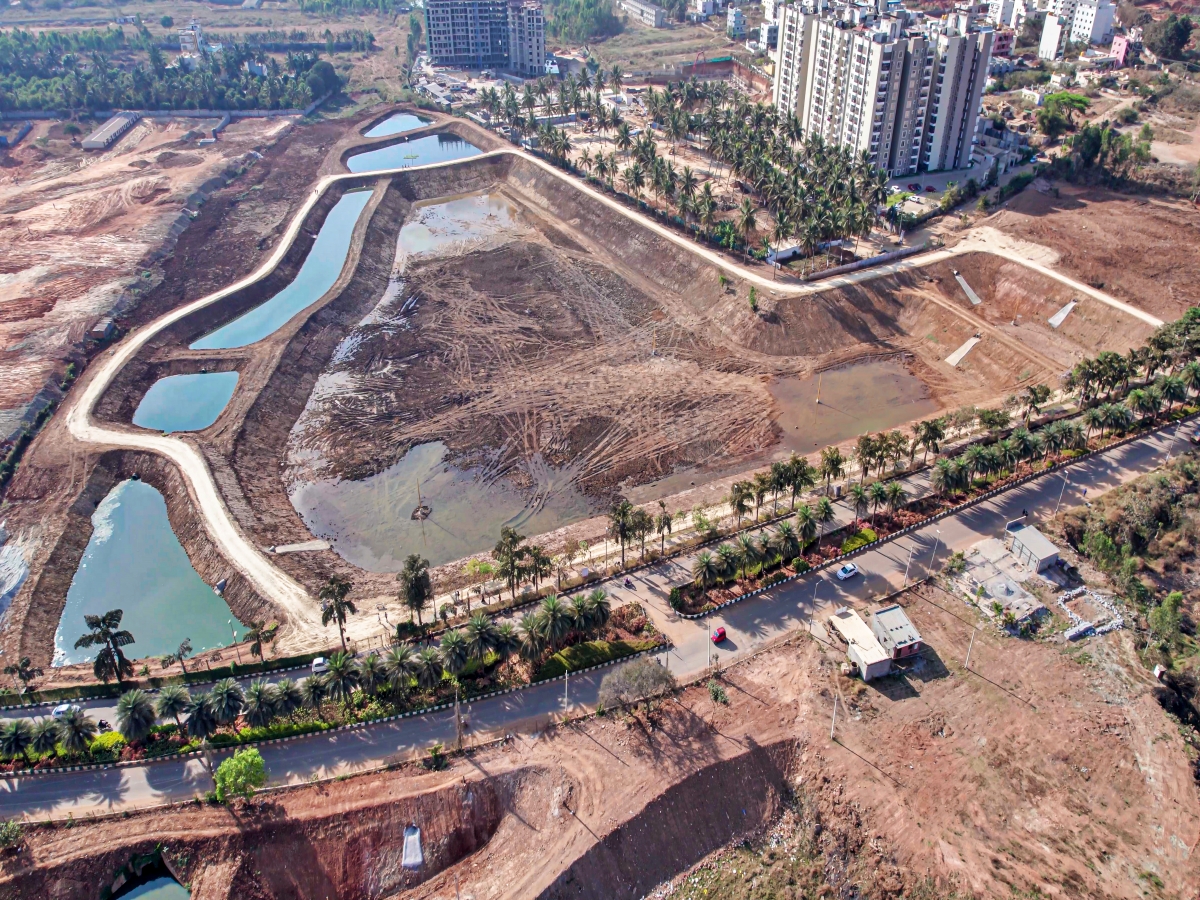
(1140, 250)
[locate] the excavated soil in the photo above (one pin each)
(1035, 774)
(1140, 250)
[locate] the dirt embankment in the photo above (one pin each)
(1042, 771)
(1140, 250)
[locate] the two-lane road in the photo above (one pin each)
(749, 625)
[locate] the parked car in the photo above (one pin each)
(914, 187)
(930, 189)
(63, 708)
(718, 635)
(1196, 436)
(320, 665)
(849, 570)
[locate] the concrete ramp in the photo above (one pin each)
(301, 548)
(971, 295)
(1059, 317)
(957, 356)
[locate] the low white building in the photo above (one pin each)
(895, 633)
(862, 647)
(1031, 547)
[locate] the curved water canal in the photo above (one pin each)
(433, 148)
(162, 888)
(134, 562)
(185, 402)
(397, 123)
(316, 276)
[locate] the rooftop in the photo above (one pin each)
(854, 630)
(1034, 541)
(895, 622)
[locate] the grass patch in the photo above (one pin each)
(589, 653)
(864, 537)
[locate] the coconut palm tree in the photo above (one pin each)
(824, 514)
(620, 524)
(878, 495)
(135, 715)
(859, 500)
(334, 604)
(833, 465)
(662, 525)
(747, 224)
(173, 701)
(740, 495)
(785, 542)
(533, 637)
(416, 587)
(23, 671)
(260, 633)
(556, 621)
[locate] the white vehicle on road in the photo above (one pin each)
(849, 570)
(64, 708)
(320, 666)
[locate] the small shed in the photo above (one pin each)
(897, 635)
(862, 648)
(1032, 548)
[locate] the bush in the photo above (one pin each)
(11, 834)
(590, 653)
(675, 599)
(107, 745)
(642, 679)
(240, 775)
(269, 732)
(800, 564)
(864, 537)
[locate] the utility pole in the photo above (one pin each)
(812, 610)
(1171, 446)
(933, 558)
(833, 725)
(970, 647)
(457, 720)
(909, 563)
(567, 690)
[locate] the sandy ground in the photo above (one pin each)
(1141, 250)
(81, 228)
(1044, 770)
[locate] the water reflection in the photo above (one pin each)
(433, 148)
(185, 402)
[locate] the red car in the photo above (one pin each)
(718, 635)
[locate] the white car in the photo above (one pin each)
(849, 570)
(63, 708)
(320, 665)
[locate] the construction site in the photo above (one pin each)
(333, 365)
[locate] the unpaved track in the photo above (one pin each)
(278, 587)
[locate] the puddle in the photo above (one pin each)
(854, 400)
(396, 124)
(433, 148)
(162, 888)
(134, 562)
(185, 402)
(316, 276)
(369, 522)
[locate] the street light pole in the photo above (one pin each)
(1171, 446)
(1066, 477)
(812, 611)
(233, 634)
(911, 548)
(933, 557)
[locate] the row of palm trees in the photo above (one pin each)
(747, 551)
(392, 674)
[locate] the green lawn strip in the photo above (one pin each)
(588, 654)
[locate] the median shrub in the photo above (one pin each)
(107, 746)
(864, 537)
(587, 654)
(800, 565)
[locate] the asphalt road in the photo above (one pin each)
(749, 625)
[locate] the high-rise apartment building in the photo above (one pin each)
(487, 34)
(904, 89)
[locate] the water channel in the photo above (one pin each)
(397, 123)
(433, 148)
(316, 276)
(134, 562)
(185, 402)
(162, 888)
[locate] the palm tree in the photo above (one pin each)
(179, 656)
(1034, 397)
(288, 697)
(76, 729)
(107, 634)
(556, 621)
(46, 735)
(173, 701)
(740, 495)
(400, 665)
(135, 715)
(896, 497)
(260, 703)
(878, 493)
(334, 605)
(533, 639)
(747, 552)
(227, 700)
(620, 524)
(260, 633)
(705, 570)
(806, 524)
(16, 737)
(429, 668)
(314, 689)
(23, 671)
(800, 476)
(728, 561)
(824, 515)
(538, 565)
(1173, 390)
(508, 641)
(341, 678)
(858, 499)
(372, 674)
(454, 651)
(746, 224)
(833, 465)
(481, 636)
(416, 587)
(760, 486)
(662, 525)
(785, 542)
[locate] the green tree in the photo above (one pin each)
(240, 775)
(106, 633)
(1167, 37)
(173, 701)
(260, 633)
(1165, 621)
(335, 605)
(23, 671)
(342, 678)
(76, 731)
(620, 524)
(260, 703)
(16, 737)
(135, 715)
(416, 587)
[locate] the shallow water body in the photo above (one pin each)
(185, 402)
(433, 148)
(397, 123)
